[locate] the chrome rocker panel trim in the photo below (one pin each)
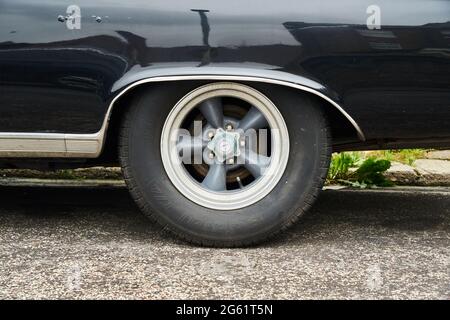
(50, 145)
(61, 145)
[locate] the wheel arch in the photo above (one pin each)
(126, 89)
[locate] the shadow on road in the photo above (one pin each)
(337, 214)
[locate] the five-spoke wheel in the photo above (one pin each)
(223, 163)
(225, 146)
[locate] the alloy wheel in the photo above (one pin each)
(225, 146)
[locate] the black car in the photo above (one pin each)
(222, 114)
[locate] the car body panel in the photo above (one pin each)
(393, 82)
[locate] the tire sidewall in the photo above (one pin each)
(295, 190)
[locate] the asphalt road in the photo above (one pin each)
(94, 243)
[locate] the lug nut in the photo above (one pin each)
(211, 155)
(210, 135)
(229, 127)
(231, 161)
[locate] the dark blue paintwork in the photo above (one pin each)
(395, 82)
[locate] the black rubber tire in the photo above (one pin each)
(139, 152)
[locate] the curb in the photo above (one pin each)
(397, 189)
(33, 182)
(120, 184)
(94, 173)
(425, 172)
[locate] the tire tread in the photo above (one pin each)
(296, 213)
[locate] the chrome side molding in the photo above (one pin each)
(62, 145)
(49, 145)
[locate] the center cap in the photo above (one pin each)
(225, 145)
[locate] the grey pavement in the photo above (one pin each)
(89, 243)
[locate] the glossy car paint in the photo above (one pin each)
(395, 82)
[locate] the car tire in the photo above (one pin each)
(159, 198)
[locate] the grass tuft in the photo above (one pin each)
(352, 168)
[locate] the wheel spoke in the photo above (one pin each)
(255, 163)
(216, 179)
(212, 110)
(254, 119)
(188, 145)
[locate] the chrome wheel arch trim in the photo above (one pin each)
(66, 145)
(244, 78)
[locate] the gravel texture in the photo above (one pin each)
(93, 243)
